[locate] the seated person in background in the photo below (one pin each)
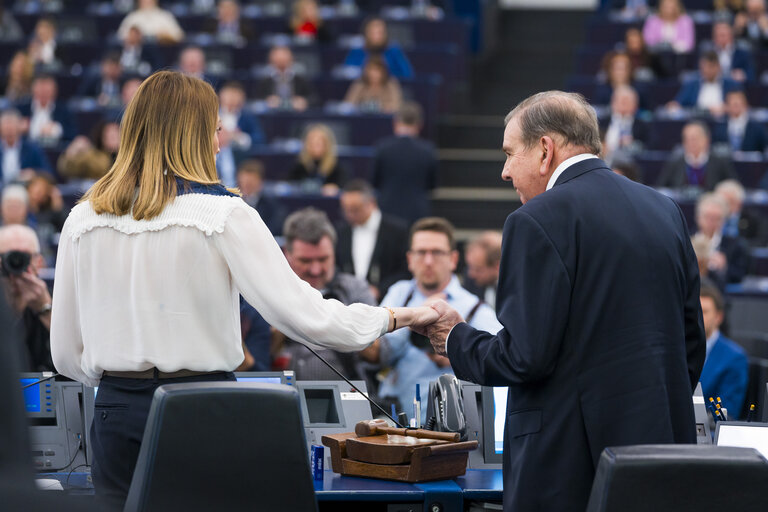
(432, 259)
(752, 23)
(628, 169)
(670, 28)
(228, 27)
(19, 156)
(696, 165)
(483, 257)
(90, 159)
(624, 132)
(29, 297)
(739, 131)
(740, 222)
(192, 62)
(707, 91)
(14, 206)
(309, 241)
(243, 127)
(703, 250)
(105, 85)
(42, 46)
(135, 56)
(377, 43)
(18, 82)
(729, 255)
(306, 23)
(283, 87)
(735, 60)
(405, 167)
(375, 90)
(371, 245)
(49, 121)
(634, 47)
(153, 22)
(46, 214)
(250, 181)
(318, 167)
(618, 72)
(726, 369)
(127, 92)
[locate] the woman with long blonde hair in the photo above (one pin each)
(21, 70)
(318, 164)
(150, 266)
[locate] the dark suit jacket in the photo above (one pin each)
(755, 137)
(725, 374)
(32, 157)
(388, 262)
(301, 87)
(404, 173)
(640, 132)
(673, 174)
(736, 251)
(61, 114)
(248, 123)
(245, 29)
(603, 339)
(688, 95)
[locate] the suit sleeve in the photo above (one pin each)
(533, 302)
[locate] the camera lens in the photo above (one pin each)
(14, 263)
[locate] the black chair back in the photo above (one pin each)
(223, 446)
(679, 477)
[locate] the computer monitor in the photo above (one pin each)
(494, 415)
(286, 377)
(39, 399)
(743, 434)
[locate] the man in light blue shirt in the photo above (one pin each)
(407, 356)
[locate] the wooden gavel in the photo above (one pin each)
(373, 427)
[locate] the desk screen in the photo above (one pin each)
(265, 380)
(493, 418)
(32, 399)
(744, 435)
(499, 417)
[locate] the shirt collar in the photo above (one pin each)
(712, 340)
(450, 289)
(566, 164)
(372, 224)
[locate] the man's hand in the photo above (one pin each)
(29, 291)
(438, 331)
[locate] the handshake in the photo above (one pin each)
(435, 320)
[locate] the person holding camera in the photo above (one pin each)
(20, 264)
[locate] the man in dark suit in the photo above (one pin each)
(49, 121)
(371, 245)
(228, 27)
(250, 181)
(405, 168)
(603, 340)
(696, 165)
(707, 91)
(104, 85)
(735, 58)
(282, 86)
(739, 131)
(17, 153)
(729, 253)
(740, 222)
(624, 131)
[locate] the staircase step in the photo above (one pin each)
(471, 167)
(479, 132)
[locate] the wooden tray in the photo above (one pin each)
(386, 449)
(435, 461)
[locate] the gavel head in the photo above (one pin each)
(369, 427)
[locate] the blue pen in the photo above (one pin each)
(417, 407)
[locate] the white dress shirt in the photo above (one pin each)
(566, 164)
(131, 295)
(11, 162)
(363, 244)
(152, 23)
(40, 117)
(710, 95)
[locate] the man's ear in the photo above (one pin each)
(547, 146)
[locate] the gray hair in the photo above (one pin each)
(15, 192)
(309, 225)
(732, 186)
(18, 231)
(711, 198)
(566, 114)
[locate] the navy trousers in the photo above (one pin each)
(121, 411)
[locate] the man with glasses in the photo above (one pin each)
(20, 263)
(408, 357)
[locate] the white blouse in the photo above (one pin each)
(131, 295)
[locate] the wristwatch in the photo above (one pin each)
(45, 309)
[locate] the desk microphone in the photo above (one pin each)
(337, 372)
(39, 381)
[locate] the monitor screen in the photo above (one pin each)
(265, 380)
(743, 434)
(285, 377)
(494, 403)
(31, 395)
